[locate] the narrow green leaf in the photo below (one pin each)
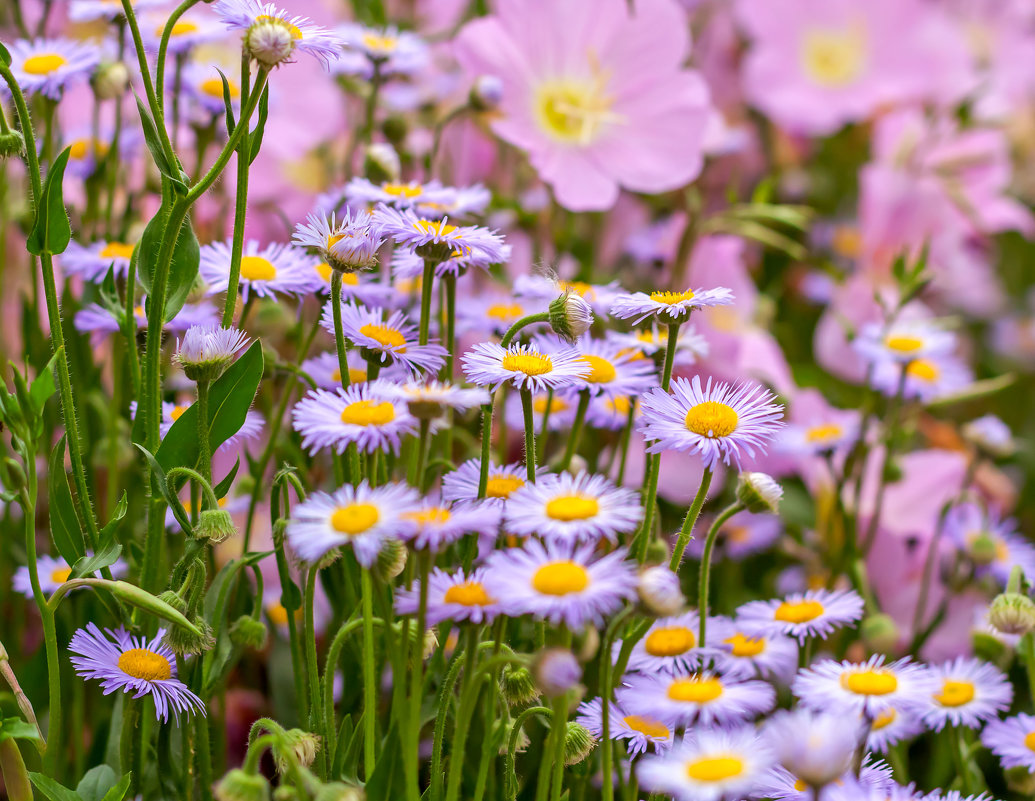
(51, 789)
(223, 487)
(109, 295)
(44, 385)
(183, 269)
(5, 56)
(165, 490)
(255, 137)
(108, 532)
(64, 525)
(51, 231)
(18, 729)
(228, 105)
(89, 565)
(152, 140)
(118, 792)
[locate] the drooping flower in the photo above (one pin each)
(134, 665)
(814, 613)
(348, 244)
(49, 66)
(596, 95)
(361, 414)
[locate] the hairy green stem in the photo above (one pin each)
(706, 563)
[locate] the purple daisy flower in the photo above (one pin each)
(469, 245)
(697, 698)
(488, 364)
(814, 613)
(93, 261)
(969, 692)
(362, 414)
(667, 307)
(394, 338)
(462, 484)
(867, 688)
(437, 523)
(457, 597)
(265, 271)
(48, 66)
(1012, 740)
(641, 732)
(304, 35)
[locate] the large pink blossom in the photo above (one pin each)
(595, 94)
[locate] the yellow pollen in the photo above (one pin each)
(955, 693)
(923, 369)
(695, 689)
(737, 534)
(355, 518)
(823, 433)
(543, 402)
(43, 64)
(574, 112)
(847, 241)
(528, 363)
(1029, 740)
(277, 614)
(502, 484)
(181, 28)
(436, 514)
(711, 419)
(834, 57)
(572, 507)
(601, 370)
(213, 87)
(79, 148)
(402, 190)
(60, 576)
(356, 376)
(885, 718)
(138, 311)
(141, 663)
(177, 411)
(619, 404)
(647, 726)
(438, 228)
(869, 682)
(560, 578)
(798, 612)
(670, 298)
(381, 44)
(323, 269)
(368, 413)
(296, 32)
(256, 268)
(714, 769)
(800, 786)
(471, 593)
(117, 250)
(505, 311)
(670, 641)
(578, 287)
(903, 344)
(385, 336)
(745, 646)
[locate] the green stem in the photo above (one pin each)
(510, 772)
(576, 430)
(444, 702)
(542, 317)
(417, 670)
(369, 676)
(240, 204)
(483, 476)
(526, 411)
(163, 49)
(559, 721)
(449, 280)
(706, 560)
(204, 444)
(427, 281)
(312, 666)
(686, 532)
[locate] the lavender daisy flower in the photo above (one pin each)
(874, 780)
(325, 370)
(49, 66)
(993, 544)
(266, 272)
(361, 414)
(458, 597)
(717, 421)
(991, 434)
(440, 240)
(361, 516)
(567, 509)
(892, 726)
(365, 193)
(134, 665)
(525, 366)
(611, 413)
(815, 747)
(93, 261)
(641, 733)
(903, 342)
(357, 288)
(670, 646)
(833, 432)
(1012, 740)
(393, 339)
(462, 484)
(615, 370)
(271, 36)
(185, 35)
(926, 378)
(432, 398)
(206, 351)
(436, 523)
(697, 699)
(347, 245)
(98, 321)
(744, 655)
(90, 10)
(867, 688)
(814, 613)
(667, 307)
(969, 692)
(561, 584)
(492, 313)
(691, 347)
(709, 765)
(392, 51)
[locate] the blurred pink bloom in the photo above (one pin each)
(597, 97)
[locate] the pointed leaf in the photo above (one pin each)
(228, 105)
(152, 140)
(5, 56)
(223, 487)
(118, 792)
(44, 386)
(89, 565)
(51, 231)
(51, 789)
(165, 490)
(64, 524)
(255, 137)
(96, 783)
(18, 729)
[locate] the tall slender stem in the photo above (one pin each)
(240, 204)
(706, 560)
(526, 411)
(369, 676)
(576, 429)
(686, 532)
(427, 280)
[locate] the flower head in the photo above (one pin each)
(869, 688)
(387, 337)
(903, 342)
(49, 66)
(814, 613)
(462, 484)
(348, 244)
(641, 732)
(436, 523)
(697, 698)
(524, 366)
(668, 307)
(265, 271)
(362, 414)
(969, 692)
(816, 747)
(1012, 740)
(614, 369)
(457, 597)
(206, 351)
(670, 646)
(440, 240)
(271, 36)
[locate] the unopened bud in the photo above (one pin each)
(238, 785)
(381, 163)
(12, 143)
(269, 41)
(304, 747)
(391, 560)
(570, 316)
(983, 549)
(12, 474)
(880, 632)
(1021, 780)
(215, 525)
(759, 493)
(486, 93)
(110, 81)
(517, 685)
(659, 591)
(1012, 613)
(578, 743)
(184, 641)
(556, 671)
(248, 632)
(339, 791)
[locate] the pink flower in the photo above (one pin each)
(815, 65)
(595, 95)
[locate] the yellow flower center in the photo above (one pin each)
(382, 44)
(296, 32)
(502, 484)
(60, 576)
(528, 363)
(825, 432)
(436, 227)
(471, 593)
(885, 718)
(277, 614)
(572, 111)
(213, 87)
(578, 287)
(619, 404)
(601, 371)
(670, 641)
(177, 412)
(670, 298)
(368, 413)
(1029, 740)
(798, 612)
(955, 693)
(432, 516)
(356, 376)
(142, 663)
(903, 343)
(256, 268)
(646, 726)
(385, 336)
(746, 647)
(116, 250)
(43, 64)
(78, 149)
(834, 57)
(181, 28)
(714, 769)
(869, 682)
(711, 419)
(402, 190)
(694, 689)
(572, 507)
(505, 311)
(924, 370)
(847, 241)
(560, 578)
(355, 518)
(543, 402)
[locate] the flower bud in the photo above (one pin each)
(578, 743)
(110, 81)
(303, 745)
(759, 493)
(395, 129)
(248, 632)
(185, 641)
(381, 163)
(391, 560)
(880, 633)
(12, 143)
(657, 552)
(1012, 613)
(983, 549)
(215, 525)
(286, 792)
(570, 316)
(517, 686)
(556, 671)
(991, 435)
(659, 591)
(238, 785)
(486, 93)
(12, 474)
(270, 41)
(339, 791)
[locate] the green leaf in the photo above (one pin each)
(223, 487)
(255, 137)
(5, 57)
(18, 729)
(118, 792)
(51, 231)
(108, 532)
(379, 785)
(183, 268)
(165, 490)
(230, 398)
(44, 386)
(89, 565)
(109, 295)
(64, 524)
(154, 144)
(96, 783)
(51, 789)
(228, 105)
